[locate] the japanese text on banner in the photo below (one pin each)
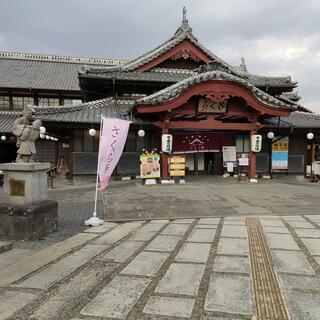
(113, 138)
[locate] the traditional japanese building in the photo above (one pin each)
(181, 88)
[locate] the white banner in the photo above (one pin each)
(113, 138)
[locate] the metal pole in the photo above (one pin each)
(94, 220)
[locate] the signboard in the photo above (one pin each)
(209, 106)
(256, 142)
(280, 150)
(166, 143)
(244, 160)
(229, 155)
(178, 166)
(150, 165)
(229, 166)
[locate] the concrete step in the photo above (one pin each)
(5, 246)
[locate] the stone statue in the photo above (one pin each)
(27, 133)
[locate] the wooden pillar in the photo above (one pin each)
(164, 161)
(252, 160)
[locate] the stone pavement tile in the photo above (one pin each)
(159, 221)
(234, 222)
(69, 294)
(299, 282)
(62, 268)
(303, 306)
(101, 229)
(293, 218)
(281, 241)
(229, 293)
(37, 260)
(176, 229)
(202, 235)
(207, 317)
(206, 226)
(146, 263)
(183, 221)
(315, 218)
(298, 224)
(13, 256)
(234, 231)
(118, 233)
(117, 299)
(232, 246)
(181, 278)
(271, 222)
(11, 301)
(141, 235)
(164, 243)
(291, 262)
(172, 307)
(194, 252)
(122, 252)
(231, 264)
(149, 227)
(209, 221)
(241, 218)
(307, 233)
(313, 245)
(276, 230)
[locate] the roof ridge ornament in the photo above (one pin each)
(184, 28)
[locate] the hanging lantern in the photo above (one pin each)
(310, 136)
(92, 132)
(270, 135)
(42, 129)
(141, 133)
(42, 135)
(48, 137)
(3, 138)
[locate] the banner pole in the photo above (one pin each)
(94, 220)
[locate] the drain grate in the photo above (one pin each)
(270, 304)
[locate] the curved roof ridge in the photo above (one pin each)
(176, 89)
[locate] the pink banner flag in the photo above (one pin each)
(113, 138)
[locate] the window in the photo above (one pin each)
(19, 102)
(83, 142)
(71, 102)
(242, 144)
(48, 102)
(4, 102)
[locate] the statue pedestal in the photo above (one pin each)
(26, 213)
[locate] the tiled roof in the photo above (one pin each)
(297, 119)
(176, 89)
(35, 71)
(170, 77)
(184, 32)
(88, 112)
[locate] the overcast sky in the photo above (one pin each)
(276, 37)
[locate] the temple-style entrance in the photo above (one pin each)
(206, 114)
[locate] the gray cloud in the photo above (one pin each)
(276, 37)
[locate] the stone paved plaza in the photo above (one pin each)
(217, 251)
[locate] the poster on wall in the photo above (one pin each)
(150, 164)
(229, 154)
(178, 166)
(280, 151)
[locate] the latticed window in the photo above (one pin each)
(19, 102)
(71, 102)
(4, 102)
(48, 102)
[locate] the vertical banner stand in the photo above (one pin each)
(95, 220)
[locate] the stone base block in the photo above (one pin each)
(28, 222)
